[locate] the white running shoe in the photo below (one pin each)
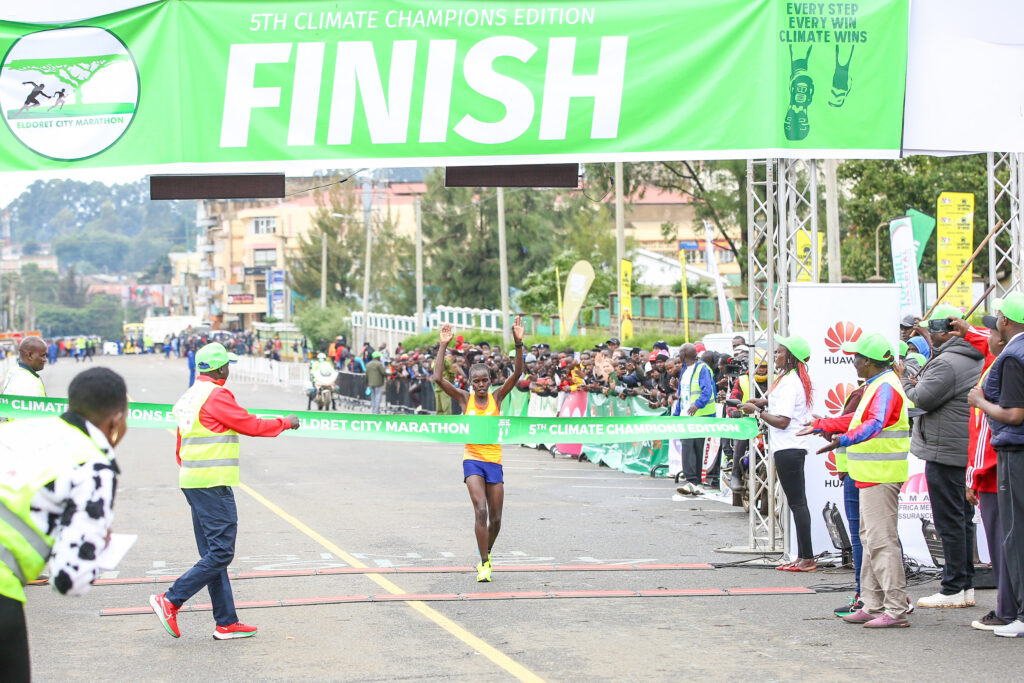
(1015, 629)
(688, 489)
(940, 600)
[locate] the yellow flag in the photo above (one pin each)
(625, 300)
(577, 285)
(803, 251)
(955, 244)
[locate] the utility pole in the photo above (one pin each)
(419, 267)
(835, 268)
(620, 217)
(323, 270)
(620, 237)
(506, 329)
(367, 207)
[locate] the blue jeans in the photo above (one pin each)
(215, 522)
(851, 501)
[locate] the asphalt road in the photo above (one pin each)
(319, 504)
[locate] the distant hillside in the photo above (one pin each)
(102, 228)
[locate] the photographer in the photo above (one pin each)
(940, 437)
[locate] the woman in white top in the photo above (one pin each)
(789, 407)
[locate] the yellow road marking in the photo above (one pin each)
(500, 658)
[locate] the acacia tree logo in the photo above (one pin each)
(68, 93)
(840, 333)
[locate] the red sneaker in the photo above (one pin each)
(235, 630)
(167, 612)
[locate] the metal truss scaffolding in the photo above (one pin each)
(1006, 203)
(782, 239)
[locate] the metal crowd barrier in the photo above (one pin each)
(400, 393)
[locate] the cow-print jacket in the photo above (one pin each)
(76, 509)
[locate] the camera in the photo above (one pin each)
(735, 368)
(942, 325)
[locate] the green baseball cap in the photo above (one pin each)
(1012, 306)
(904, 348)
(375, 354)
(213, 356)
(941, 312)
(797, 345)
(874, 346)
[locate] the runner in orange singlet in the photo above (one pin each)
(481, 463)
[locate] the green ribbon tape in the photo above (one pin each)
(438, 428)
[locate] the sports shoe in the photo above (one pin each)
(989, 622)
(910, 606)
(969, 597)
(235, 630)
(688, 489)
(941, 600)
(883, 620)
(483, 572)
(1015, 629)
(167, 613)
(855, 605)
(858, 617)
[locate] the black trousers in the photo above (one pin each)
(14, 662)
(693, 459)
(789, 465)
(1010, 477)
(953, 517)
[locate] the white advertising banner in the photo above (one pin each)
(826, 316)
(904, 265)
(951, 45)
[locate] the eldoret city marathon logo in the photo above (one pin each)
(69, 93)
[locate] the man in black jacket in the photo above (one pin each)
(940, 439)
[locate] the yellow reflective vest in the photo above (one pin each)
(882, 459)
(33, 453)
(208, 458)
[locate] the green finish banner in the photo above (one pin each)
(435, 428)
(227, 86)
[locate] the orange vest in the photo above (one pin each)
(484, 452)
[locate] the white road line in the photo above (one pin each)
(159, 564)
(327, 556)
(576, 476)
(623, 488)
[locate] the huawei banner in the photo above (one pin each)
(248, 86)
(853, 310)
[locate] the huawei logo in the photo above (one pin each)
(840, 333)
(830, 464)
(837, 396)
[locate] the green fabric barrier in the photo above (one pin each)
(434, 428)
(516, 403)
(638, 456)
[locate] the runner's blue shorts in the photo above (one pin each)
(490, 471)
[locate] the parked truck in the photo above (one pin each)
(159, 328)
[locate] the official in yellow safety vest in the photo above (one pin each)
(57, 481)
(876, 437)
(209, 424)
(23, 378)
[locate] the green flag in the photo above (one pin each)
(923, 226)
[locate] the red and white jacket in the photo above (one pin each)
(981, 457)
